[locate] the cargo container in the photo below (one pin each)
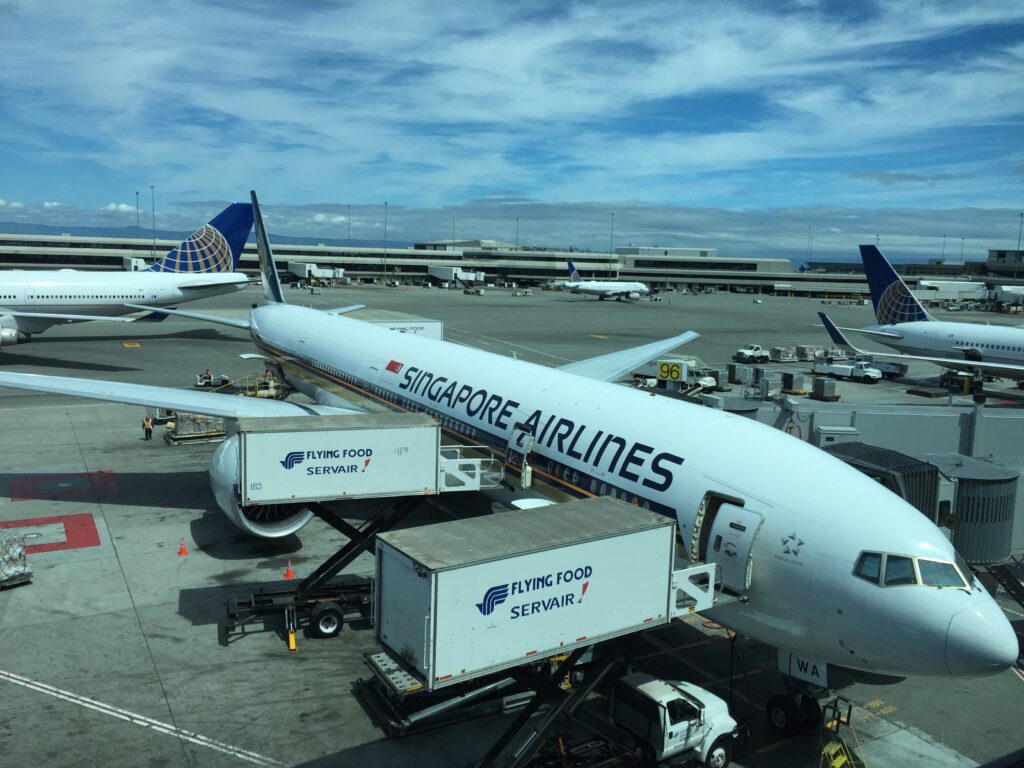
(334, 457)
(462, 599)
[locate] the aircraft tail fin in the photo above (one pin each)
(214, 247)
(574, 274)
(268, 271)
(893, 301)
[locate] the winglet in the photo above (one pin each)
(893, 301)
(615, 365)
(214, 247)
(835, 334)
(268, 271)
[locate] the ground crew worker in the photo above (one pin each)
(147, 427)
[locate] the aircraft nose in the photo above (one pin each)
(980, 641)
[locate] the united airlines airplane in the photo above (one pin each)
(905, 325)
(833, 568)
(202, 266)
(604, 289)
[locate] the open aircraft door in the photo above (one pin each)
(731, 544)
(520, 443)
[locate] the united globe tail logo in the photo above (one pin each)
(538, 594)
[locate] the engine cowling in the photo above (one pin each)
(9, 332)
(269, 521)
(634, 296)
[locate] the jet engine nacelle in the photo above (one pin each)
(634, 296)
(269, 521)
(9, 333)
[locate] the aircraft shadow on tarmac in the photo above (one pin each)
(48, 361)
(198, 334)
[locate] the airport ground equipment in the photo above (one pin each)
(14, 566)
(855, 371)
(889, 369)
(751, 353)
(835, 752)
(206, 379)
(488, 613)
(286, 464)
(783, 355)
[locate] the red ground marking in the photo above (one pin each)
(79, 532)
(68, 485)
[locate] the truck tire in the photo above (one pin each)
(326, 620)
(720, 754)
(783, 715)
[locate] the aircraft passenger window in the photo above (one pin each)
(899, 570)
(936, 574)
(869, 567)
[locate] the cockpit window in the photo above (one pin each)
(869, 566)
(899, 570)
(936, 574)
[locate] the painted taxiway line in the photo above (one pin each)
(145, 722)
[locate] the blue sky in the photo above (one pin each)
(727, 124)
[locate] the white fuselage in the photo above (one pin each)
(71, 292)
(596, 438)
(607, 288)
(967, 341)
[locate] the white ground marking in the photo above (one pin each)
(145, 722)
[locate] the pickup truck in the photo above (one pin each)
(855, 371)
(669, 718)
(752, 353)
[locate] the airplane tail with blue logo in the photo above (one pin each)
(272, 292)
(214, 247)
(574, 274)
(892, 299)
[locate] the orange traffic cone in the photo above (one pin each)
(182, 551)
(289, 574)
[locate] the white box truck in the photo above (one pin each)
(466, 598)
(312, 458)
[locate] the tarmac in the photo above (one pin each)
(113, 655)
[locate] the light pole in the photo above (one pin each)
(611, 244)
(348, 220)
(453, 235)
(961, 250)
(808, 245)
(136, 213)
(384, 274)
(517, 233)
(943, 257)
(1016, 261)
(152, 200)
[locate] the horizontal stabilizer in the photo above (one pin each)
(879, 334)
(234, 322)
(835, 333)
(189, 401)
(345, 310)
(615, 365)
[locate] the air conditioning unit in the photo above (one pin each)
(823, 436)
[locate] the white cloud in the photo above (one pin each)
(51, 205)
(323, 218)
(119, 208)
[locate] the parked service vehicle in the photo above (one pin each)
(207, 379)
(889, 370)
(855, 371)
(671, 718)
(752, 353)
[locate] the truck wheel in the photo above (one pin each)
(783, 715)
(720, 754)
(326, 620)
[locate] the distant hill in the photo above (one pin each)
(20, 228)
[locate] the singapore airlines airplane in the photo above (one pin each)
(604, 289)
(202, 266)
(841, 573)
(903, 324)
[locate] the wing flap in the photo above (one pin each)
(615, 365)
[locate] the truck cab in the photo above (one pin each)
(672, 717)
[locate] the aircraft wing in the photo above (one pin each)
(234, 322)
(67, 317)
(190, 401)
(345, 310)
(615, 365)
(199, 283)
(948, 362)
